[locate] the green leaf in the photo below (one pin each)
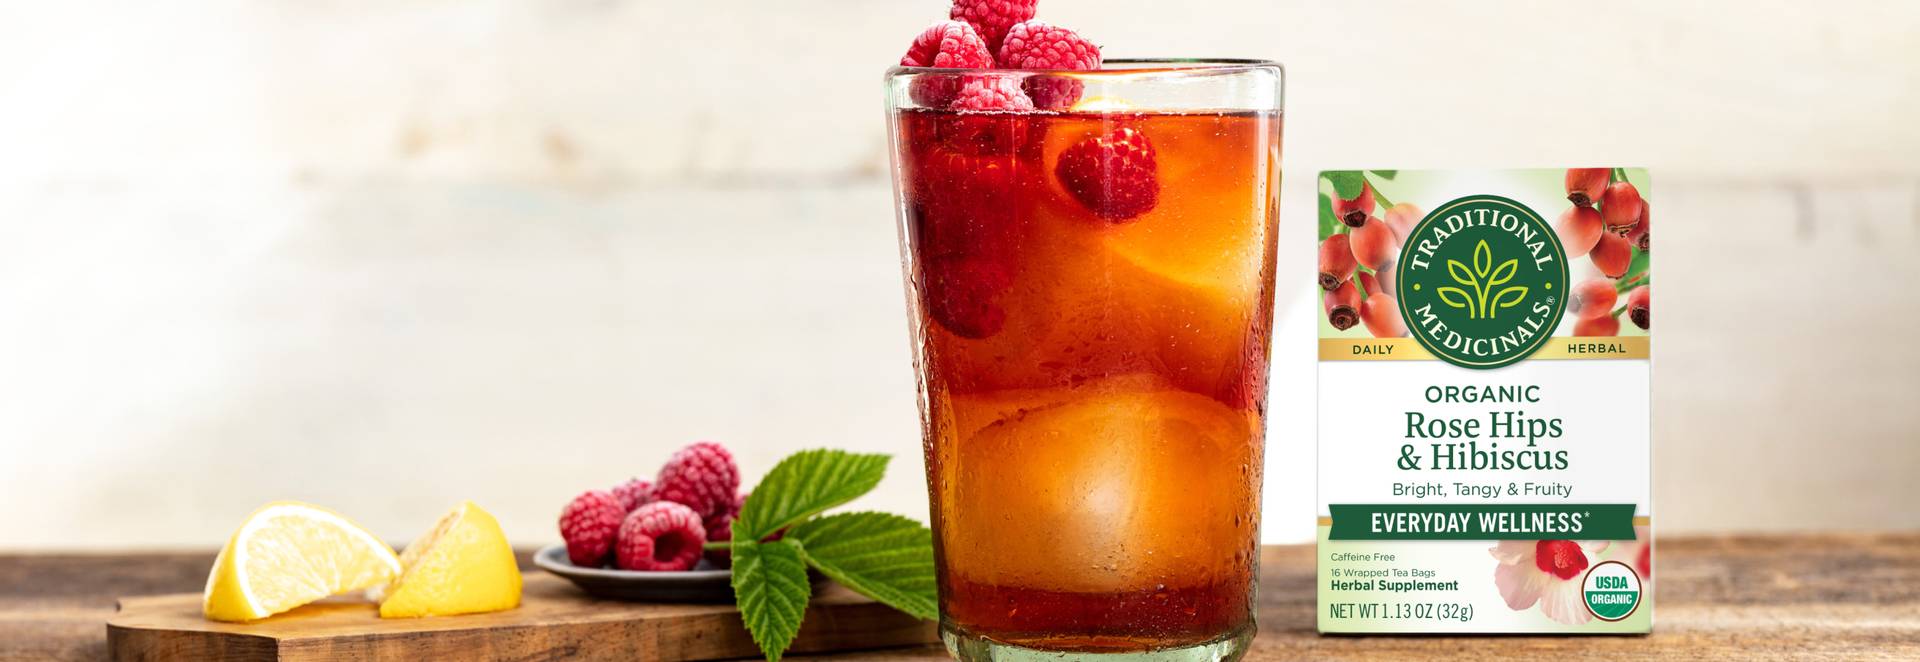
(1636, 274)
(1346, 183)
(803, 485)
(1329, 224)
(770, 586)
(879, 555)
(1385, 174)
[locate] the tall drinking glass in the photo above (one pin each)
(1090, 286)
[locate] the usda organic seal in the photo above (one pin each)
(1611, 591)
(1482, 281)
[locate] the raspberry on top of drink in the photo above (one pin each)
(1091, 286)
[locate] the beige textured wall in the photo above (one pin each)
(385, 256)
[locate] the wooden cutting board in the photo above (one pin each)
(554, 621)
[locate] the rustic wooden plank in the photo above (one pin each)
(1747, 596)
(555, 620)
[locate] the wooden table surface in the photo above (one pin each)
(1828, 596)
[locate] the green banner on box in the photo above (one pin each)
(1409, 521)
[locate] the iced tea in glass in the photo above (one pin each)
(1091, 298)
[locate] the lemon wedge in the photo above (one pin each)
(463, 566)
(288, 554)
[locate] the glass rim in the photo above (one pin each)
(1129, 67)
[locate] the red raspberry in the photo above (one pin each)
(1037, 45)
(960, 292)
(1115, 175)
(660, 536)
(993, 17)
(726, 514)
(962, 204)
(948, 44)
(634, 493)
(720, 529)
(989, 93)
(701, 476)
(588, 525)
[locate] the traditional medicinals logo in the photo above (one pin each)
(1482, 282)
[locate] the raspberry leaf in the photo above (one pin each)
(879, 555)
(770, 587)
(804, 485)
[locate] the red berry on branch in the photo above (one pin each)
(1336, 261)
(1354, 212)
(1381, 312)
(1639, 236)
(1374, 244)
(1401, 218)
(1343, 306)
(1640, 307)
(1604, 325)
(1579, 229)
(1621, 205)
(1584, 185)
(1612, 254)
(1592, 299)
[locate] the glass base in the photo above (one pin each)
(973, 648)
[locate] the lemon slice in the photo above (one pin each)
(463, 566)
(288, 554)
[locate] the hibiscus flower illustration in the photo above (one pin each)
(1639, 554)
(1546, 573)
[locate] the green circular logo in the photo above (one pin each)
(1611, 591)
(1482, 281)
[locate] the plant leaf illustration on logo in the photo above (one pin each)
(1479, 282)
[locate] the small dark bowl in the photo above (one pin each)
(703, 584)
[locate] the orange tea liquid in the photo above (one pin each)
(1092, 389)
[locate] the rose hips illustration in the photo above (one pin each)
(1381, 312)
(1381, 280)
(1584, 185)
(1621, 205)
(1336, 261)
(1638, 236)
(1640, 307)
(1579, 229)
(1591, 299)
(1374, 244)
(1343, 306)
(1369, 282)
(1401, 218)
(1354, 212)
(1604, 325)
(1612, 254)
